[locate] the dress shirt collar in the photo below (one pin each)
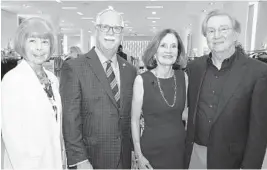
(227, 63)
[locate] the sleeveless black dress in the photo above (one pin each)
(163, 139)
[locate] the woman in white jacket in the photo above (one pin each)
(31, 105)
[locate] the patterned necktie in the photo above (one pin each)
(113, 82)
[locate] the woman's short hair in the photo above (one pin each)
(33, 27)
(151, 50)
(236, 25)
(76, 49)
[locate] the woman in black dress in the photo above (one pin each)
(160, 95)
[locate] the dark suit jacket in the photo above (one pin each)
(238, 135)
(94, 128)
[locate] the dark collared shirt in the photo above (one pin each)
(209, 97)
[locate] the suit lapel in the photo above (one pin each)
(123, 79)
(200, 74)
(97, 68)
(234, 79)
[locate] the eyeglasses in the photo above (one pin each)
(221, 30)
(106, 28)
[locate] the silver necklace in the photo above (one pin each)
(162, 94)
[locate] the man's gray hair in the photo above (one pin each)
(108, 10)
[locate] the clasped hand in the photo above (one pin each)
(143, 163)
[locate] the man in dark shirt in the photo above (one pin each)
(227, 96)
(209, 97)
(121, 53)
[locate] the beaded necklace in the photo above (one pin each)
(162, 93)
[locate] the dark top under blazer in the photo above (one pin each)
(211, 89)
(94, 128)
(238, 135)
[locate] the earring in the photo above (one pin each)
(154, 60)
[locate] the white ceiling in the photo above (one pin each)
(178, 15)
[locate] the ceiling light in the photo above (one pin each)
(26, 6)
(154, 7)
(67, 24)
(153, 21)
(154, 13)
(152, 17)
(190, 24)
(154, 27)
(66, 29)
(89, 18)
(89, 31)
(110, 7)
(79, 13)
(211, 3)
(204, 10)
(69, 7)
(5, 6)
(59, 1)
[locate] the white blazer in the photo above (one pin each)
(30, 131)
(264, 165)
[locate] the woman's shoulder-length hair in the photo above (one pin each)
(34, 27)
(151, 50)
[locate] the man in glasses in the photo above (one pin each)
(227, 97)
(96, 91)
